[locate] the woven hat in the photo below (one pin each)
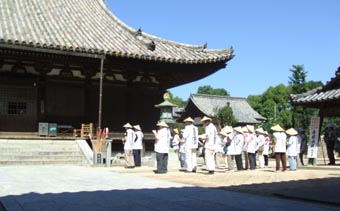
(176, 130)
(205, 118)
(277, 128)
(127, 125)
(291, 132)
(251, 128)
(189, 119)
(238, 129)
(162, 124)
(260, 130)
(245, 129)
(137, 127)
(223, 133)
(227, 129)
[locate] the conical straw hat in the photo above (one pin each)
(250, 128)
(238, 129)
(176, 130)
(189, 119)
(137, 127)
(223, 133)
(227, 129)
(205, 118)
(245, 129)
(162, 124)
(277, 128)
(291, 132)
(127, 125)
(260, 130)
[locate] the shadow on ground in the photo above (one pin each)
(326, 190)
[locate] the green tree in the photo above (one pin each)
(177, 100)
(273, 104)
(224, 116)
(301, 116)
(211, 91)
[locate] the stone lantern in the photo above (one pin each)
(166, 110)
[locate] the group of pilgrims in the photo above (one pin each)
(239, 147)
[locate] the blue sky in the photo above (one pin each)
(268, 37)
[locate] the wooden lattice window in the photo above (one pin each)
(17, 108)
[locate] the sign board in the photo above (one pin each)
(313, 137)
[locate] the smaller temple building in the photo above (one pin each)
(200, 105)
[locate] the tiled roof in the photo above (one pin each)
(87, 26)
(329, 92)
(242, 111)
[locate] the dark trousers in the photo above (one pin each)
(330, 154)
(137, 157)
(301, 158)
(265, 160)
(239, 163)
(252, 161)
(162, 162)
(281, 156)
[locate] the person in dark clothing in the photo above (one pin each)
(303, 144)
(330, 137)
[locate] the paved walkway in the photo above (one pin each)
(63, 188)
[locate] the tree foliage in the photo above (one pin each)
(224, 116)
(177, 100)
(274, 103)
(211, 91)
(301, 116)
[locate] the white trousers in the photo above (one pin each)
(191, 158)
(210, 159)
(261, 160)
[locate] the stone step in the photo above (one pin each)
(44, 157)
(38, 149)
(23, 141)
(41, 162)
(40, 152)
(36, 157)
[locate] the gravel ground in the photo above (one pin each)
(316, 184)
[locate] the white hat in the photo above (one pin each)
(238, 129)
(260, 130)
(137, 127)
(189, 119)
(162, 124)
(223, 133)
(245, 129)
(127, 125)
(291, 132)
(250, 128)
(205, 118)
(277, 128)
(227, 129)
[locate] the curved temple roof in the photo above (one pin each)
(330, 92)
(242, 111)
(88, 26)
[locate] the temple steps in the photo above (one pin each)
(40, 152)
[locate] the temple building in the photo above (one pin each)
(200, 105)
(326, 98)
(73, 62)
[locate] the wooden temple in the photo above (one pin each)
(326, 98)
(73, 62)
(200, 105)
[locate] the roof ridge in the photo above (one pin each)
(218, 96)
